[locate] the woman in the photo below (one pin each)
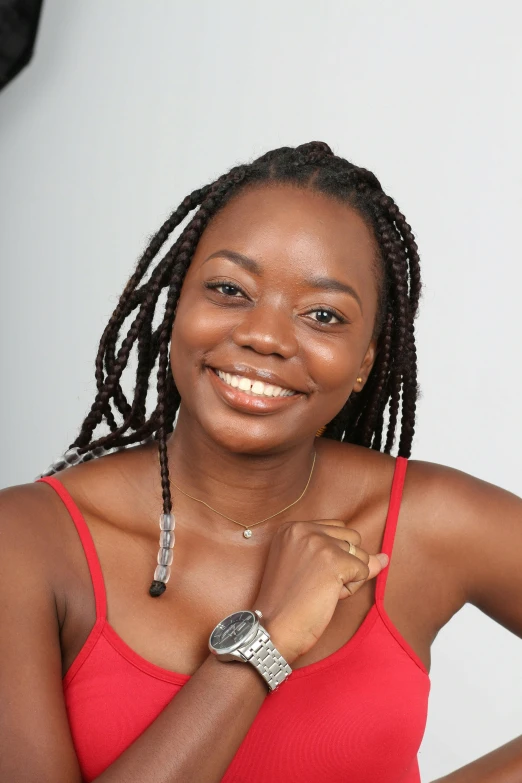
(286, 350)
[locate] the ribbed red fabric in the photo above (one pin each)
(357, 716)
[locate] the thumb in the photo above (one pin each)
(377, 563)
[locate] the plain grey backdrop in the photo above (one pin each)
(128, 106)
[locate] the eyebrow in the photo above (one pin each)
(330, 284)
(237, 258)
(326, 283)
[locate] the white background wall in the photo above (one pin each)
(128, 106)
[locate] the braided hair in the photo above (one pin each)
(391, 387)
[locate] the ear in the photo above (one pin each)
(366, 366)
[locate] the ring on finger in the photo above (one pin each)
(352, 550)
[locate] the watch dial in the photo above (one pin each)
(232, 630)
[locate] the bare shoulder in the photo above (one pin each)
(458, 504)
(37, 532)
(471, 535)
(33, 610)
(437, 476)
(27, 512)
(32, 528)
(453, 511)
(29, 538)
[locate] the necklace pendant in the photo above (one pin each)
(247, 533)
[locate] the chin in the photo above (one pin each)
(246, 437)
(241, 434)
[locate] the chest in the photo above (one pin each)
(360, 714)
(210, 580)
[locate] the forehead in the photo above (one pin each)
(283, 224)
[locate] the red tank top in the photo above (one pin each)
(357, 716)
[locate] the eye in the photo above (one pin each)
(227, 288)
(326, 317)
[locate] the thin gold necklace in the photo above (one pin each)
(247, 532)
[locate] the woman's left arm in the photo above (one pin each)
(503, 765)
(484, 547)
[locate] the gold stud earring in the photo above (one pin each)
(359, 380)
(320, 431)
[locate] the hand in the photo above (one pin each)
(308, 570)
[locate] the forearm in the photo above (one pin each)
(196, 736)
(503, 765)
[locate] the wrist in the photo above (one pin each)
(279, 639)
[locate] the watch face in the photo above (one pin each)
(232, 631)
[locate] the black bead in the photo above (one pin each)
(157, 588)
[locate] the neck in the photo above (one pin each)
(245, 487)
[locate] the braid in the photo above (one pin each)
(391, 391)
(375, 420)
(109, 337)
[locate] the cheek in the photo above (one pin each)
(332, 365)
(194, 333)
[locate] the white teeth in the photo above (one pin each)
(254, 387)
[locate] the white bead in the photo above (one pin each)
(165, 556)
(162, 574)
(167, 522)
(167, 538)
(71, 456)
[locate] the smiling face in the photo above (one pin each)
(282, 294)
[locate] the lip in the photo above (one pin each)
(254, 374)
(249, 403)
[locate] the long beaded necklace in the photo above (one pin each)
(167, 524)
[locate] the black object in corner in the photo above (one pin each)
(18, 25)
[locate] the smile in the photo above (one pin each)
(250, 395)
(255, 388)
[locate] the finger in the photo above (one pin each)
(373, 562)
(351, 585)
(375, 566)
(346, 536)
(356, 551)
(337, 529)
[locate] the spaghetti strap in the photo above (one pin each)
(399, 474)
(87, 543)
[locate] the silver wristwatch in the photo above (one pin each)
(241, 637)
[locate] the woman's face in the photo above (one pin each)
(281, 293)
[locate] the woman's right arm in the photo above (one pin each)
(193, 739)
(196, 736)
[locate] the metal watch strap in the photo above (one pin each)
(269, 662)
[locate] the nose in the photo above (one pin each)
(267, 330)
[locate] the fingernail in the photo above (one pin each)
(383, 559)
